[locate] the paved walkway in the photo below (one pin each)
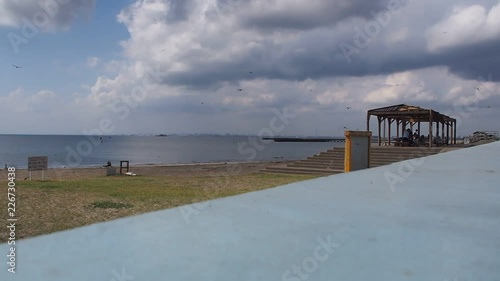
(434, 219)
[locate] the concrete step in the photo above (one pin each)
(318, 163)
(291, 172)
(412, 154)
(381, 163)
(392, 158)
(341, 161)
(398, 158)
(417, 152)
(339, 166)
(322, 161)
(406, 150)
(377, 164)
(403, 153)
(334, 150)
(297, 170)
(332, 160)
(325, 157)
(332, 153)
(340, 152)
(315, 166)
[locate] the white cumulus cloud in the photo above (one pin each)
(466, 26)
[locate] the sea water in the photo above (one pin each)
(88, 151)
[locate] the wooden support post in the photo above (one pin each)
(447, 133)
(437, 133)
(442, 132)
(385, 121)
(455, 132)
(430, 128)
(378, 119)
(389, 122)
(397, 128)
(367, 122)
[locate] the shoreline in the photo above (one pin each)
(189, 169)
(117, 163)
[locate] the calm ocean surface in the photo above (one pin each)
(80, 151)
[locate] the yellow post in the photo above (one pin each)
(357, 150)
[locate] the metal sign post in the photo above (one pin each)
(124, 165)
(38, 163)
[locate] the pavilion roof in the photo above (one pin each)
(405, 111)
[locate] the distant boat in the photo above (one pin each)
(161, 135)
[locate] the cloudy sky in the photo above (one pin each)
(227, 66)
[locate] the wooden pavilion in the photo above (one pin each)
(408, 115)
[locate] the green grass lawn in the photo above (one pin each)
(46, 207)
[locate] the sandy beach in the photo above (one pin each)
(198, 169)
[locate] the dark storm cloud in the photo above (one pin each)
(310, 14)
(477, 62)
(468, 62)
(60, 13)
(311, 57)
(318, 30)
(316, 62)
